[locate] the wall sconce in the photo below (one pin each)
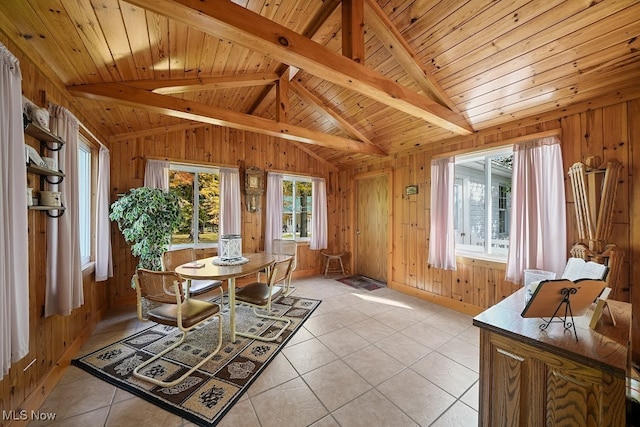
(253, 188)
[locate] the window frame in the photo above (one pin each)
(194, 168)
(461, 192)
(86, 217)
(294, 179)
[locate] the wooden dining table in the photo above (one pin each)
(210, 271)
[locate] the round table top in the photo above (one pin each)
(257, 261)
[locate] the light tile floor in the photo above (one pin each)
(371, 359)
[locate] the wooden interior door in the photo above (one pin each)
(372, 225)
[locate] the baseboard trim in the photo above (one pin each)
(460, 306)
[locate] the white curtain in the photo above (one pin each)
(230, 204)
(156, 174)
(273, 227)
(318, 214)
(14, 262)
(538, 219)
(64, 270)
(442, 248)
(104, 263)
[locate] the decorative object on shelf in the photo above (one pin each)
(147, 218)
(45, 167)
(50, 198)
(410, 190)
(230, 247)
(253, 188)
(51, 163)
(35, 113)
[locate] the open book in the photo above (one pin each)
(577, 269)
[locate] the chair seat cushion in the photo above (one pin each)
(201, 286)
(193, 312)
(257, 293)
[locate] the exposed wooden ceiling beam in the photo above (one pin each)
(353, 30)
(194, 84)
(398, 46)
(326, 10)
(239, 25)
(312, 99)
(175, 107)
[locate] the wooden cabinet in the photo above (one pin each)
(530, 377)
(48, 142)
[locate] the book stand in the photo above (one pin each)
(566, 302)
(552, 297)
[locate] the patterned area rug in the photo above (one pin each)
(362, 282)
(205, 396)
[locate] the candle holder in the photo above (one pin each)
(230, 248)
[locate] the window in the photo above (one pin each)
(198, 189)
(84, 199)
(296, 208)
(482, 202)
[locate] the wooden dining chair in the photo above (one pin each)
(284, 247)
(260, 295)
(165, 290)
(172, 259)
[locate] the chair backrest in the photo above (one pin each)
(172, 259)
(280, 271)
(286, 247)
(159, 286)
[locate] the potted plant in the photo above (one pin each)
(147, 217)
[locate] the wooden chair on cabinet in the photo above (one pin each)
(260, 295)
(172, 259)
(165, 290)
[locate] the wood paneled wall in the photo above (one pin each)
(216, 146)
(608, 132)
(55, 339)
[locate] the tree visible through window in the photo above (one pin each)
(296, 209)
(198, 190)
(482, 202)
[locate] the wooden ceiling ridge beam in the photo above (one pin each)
(327, 8)
(246, 28)
(175, 107)
(193, 84)
(398, 46)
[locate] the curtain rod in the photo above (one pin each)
(509, 141)
(191, 162)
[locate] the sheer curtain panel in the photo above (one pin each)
(442, 247)
(538, 212)
(156, 174)
(230, 205)
(104, 263)
(64, 270)
(14, 262)
(318, 214)
(273, 227)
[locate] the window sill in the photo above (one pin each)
(483, 257)
(88, 268)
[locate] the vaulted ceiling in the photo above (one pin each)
(344, 79)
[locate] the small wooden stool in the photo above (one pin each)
(337, 267)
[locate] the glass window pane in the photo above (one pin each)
(181, 184)
(84, 202)
(482, 203)
(208, 207)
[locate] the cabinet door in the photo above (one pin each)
(517, 388)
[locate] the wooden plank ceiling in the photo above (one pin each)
(347, 80)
